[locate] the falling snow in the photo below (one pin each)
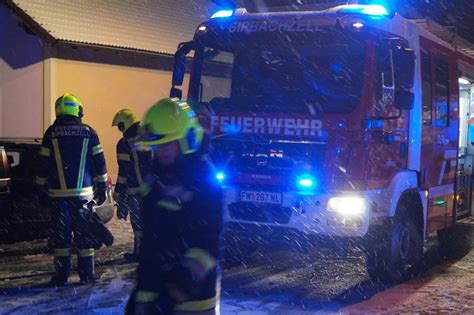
(262, 274)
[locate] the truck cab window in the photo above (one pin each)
(216, 75)
(309, 80)
(426, 81)
(441, 110)
(384, 83)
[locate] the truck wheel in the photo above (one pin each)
(401, 248)
(455, 241)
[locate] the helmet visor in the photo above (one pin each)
(149, 141)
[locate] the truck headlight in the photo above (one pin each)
(347, 206)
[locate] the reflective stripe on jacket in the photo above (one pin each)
(71, 159)
(132, 163)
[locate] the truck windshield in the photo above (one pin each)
(281, 72)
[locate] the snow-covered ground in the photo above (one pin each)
(270, 282)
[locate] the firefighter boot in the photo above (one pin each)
(62, 264)
(85, 266)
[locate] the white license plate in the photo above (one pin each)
(261, 197)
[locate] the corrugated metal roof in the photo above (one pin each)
(293, 5)
(150, 25)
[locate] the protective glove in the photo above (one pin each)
(116, 196)
(122, 211)
(91, 204)
(100, 197)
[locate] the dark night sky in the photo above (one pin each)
(458, 13)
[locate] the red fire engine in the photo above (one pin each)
(347, 123)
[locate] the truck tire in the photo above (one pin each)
(398, 247)
(455, 241)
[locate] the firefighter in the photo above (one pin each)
(132, 164)
(70, 161)
(178, 270)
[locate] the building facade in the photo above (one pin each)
(111, 54)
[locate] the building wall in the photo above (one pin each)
(21, 79)
(104, 90)
(33, 74)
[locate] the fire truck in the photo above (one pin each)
(349, 124)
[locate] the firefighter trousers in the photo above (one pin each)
(70, 226)
(132, 205)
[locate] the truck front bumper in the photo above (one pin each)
(304, 213)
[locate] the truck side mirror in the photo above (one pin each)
(404, 100)
(175, 92)
(404, 67)
(179, 68)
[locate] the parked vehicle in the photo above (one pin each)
(22, 215)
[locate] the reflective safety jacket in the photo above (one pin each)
(132, 163)
(71, 159)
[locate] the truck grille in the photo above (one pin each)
(273, 158)
(260, 213)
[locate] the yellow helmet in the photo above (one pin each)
(68, 104)
(168, 120)
(125, 119)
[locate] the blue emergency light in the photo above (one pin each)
(366, 9)
(222, 14)
(220, 176)
(306, 182)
